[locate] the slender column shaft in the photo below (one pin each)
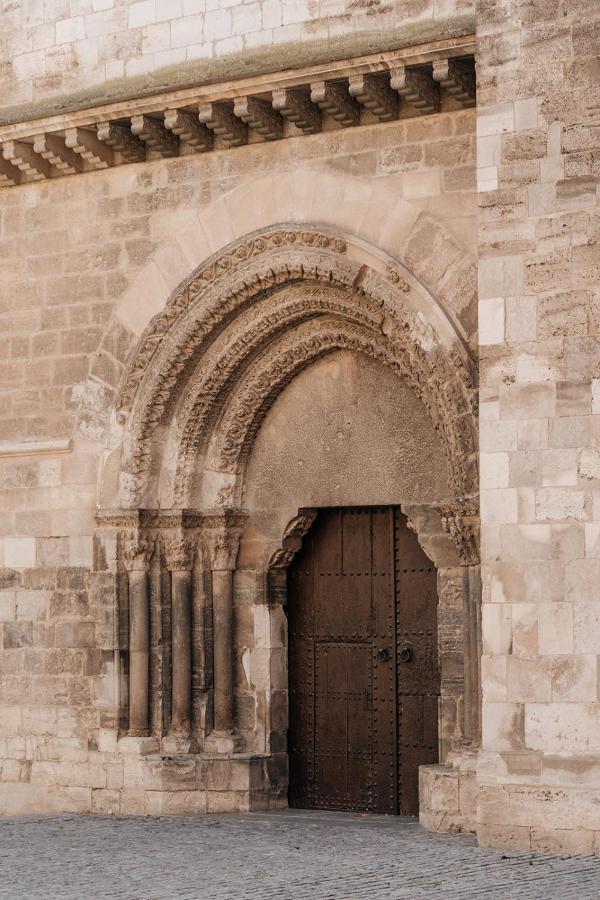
(139, 652)
(222, 582)
(181, 629)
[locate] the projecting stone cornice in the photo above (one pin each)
(365, 90)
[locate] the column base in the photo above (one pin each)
(223, 743)
(174, 744)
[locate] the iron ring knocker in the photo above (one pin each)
(383, 654)
(406, 653)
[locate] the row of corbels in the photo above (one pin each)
(182, 131)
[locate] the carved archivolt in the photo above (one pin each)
(209, 366)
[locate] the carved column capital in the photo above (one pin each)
(221, 536)
(137, 553)
(292, 539)
(179, 553)
(460, 519)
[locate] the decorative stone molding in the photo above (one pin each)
(417, 87)
(54, 149)
(376, 95)
(443, 378)
(184, 121)
(221, 533)
(26, 160)
(35, 448)
(460, 519)
(221, 119)
(155, 135)
(296, 106)
(178, 554)
(335, 99)
(291, 541)
(193, 135)
(86, 144)
(259, 116)
(457, 78)
(137, 553)
(122, 141)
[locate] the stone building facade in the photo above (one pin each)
(263, 259)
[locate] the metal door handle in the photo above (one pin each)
(383, 654)
(406, 653)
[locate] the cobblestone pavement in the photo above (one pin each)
(292, 855)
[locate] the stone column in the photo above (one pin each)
(222, 535)
(179, 559)
(137, 555)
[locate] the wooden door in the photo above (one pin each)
(348, 741)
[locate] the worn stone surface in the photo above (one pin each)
(278, 855)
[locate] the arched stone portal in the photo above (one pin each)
(196, 520)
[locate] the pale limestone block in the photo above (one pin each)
(528, 679)
(491, 321)
(217, 25)
(521, 319)
(526, 114)
(142, 13)
(80, 550)
(500, 276)
(8, 606)
(527, 401)
(496, 628)
(49, 472)
(70, 30)
(19, 552)
(526, 504)
(570, 431)
(262, 626)
(494, 470)
(493, 678)
(586, 626)
(525, 469)
(575, 678)
(524, 630)
(69, 799)
(589, 463)
(489, 407)
(568, 541)
(526, 542)
(487, 179)
(146, 297)
(489, 152)
(495, 119)
(499, 507)
(559, 468)
(497, 436)
(582, 580)
(491, 546)
(586, 809)
(33, 605)
(552, 169)
(272, 14)
(502, 726)
(396, 227)
(596, 396)
(532, 434)
(560, 503)
(416, 185)
(592, 539)
(563, 727)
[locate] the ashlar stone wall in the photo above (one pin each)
(72, 251)
(67, 52)
(538, 130)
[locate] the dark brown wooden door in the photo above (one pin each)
(363, 698)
